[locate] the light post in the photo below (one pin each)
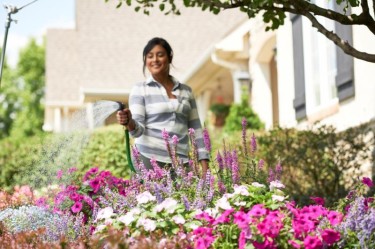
(11, 10)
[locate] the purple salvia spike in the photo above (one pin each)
(278, 171)
(207, 140)
(271, 176)
(253, 143)
(261, 164)
(235, 173)
(221, 186)
(219, 160)
(186, 202)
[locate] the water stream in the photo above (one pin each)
(62, 151)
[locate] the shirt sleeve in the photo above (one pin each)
(138, 110)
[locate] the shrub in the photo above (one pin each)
(317, 162)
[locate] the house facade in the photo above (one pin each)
(295, 75)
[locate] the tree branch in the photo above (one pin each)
(344, 45)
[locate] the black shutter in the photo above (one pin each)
(299, 101)
(345, 73)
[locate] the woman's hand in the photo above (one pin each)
(124, 117)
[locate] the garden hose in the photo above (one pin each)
(127, 141)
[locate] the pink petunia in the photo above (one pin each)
(77, 207)
(330, 236)
(318, 200)
(334, 217)
(312, 242)
(95, 184)
(257, 210)
(242, 219)
(367, 181)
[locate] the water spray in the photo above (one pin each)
(127, 139)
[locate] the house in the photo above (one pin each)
(296, 76)
(101, 58)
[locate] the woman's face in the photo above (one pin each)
(157, 61)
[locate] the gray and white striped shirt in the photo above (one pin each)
(153, 112)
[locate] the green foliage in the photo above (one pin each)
(317, 162)
(31, 76)
(9, 100)
(35, 160)
(106, 150)
(220, 109)
(239, 111)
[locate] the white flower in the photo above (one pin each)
(258, 185)
(145, 197)
(212, 211)
(127, 219)
(223, 203)
(148, 224)
(168, 204)
(276, 184)
(278, 198)
(178, 219)
(240, 203)
(242, 190)
(104, 213)
(99, 228)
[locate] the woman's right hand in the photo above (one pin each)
(124, 117)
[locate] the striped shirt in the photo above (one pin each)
(153, 112)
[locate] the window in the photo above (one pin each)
(319, 63)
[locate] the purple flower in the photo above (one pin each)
(253, 143)
(206, 140)
(260, 164)
(367, 181)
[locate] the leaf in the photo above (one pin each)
(162, 7)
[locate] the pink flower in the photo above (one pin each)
(334, 217)
(95, 184)
(367, 181)
(205, 216)
(77, 207)
(242, 240)
(258, 210)
(72, 170)
(294, 244)
(224, 217)
(330, 236)
(241, 219)
(312, 242)
(318, 200)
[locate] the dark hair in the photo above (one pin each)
(151, 44)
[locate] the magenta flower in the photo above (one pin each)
(334, 217)
(318, 200)
(367, 181)
(77, 207)
(257, 211)
(312, 242)
(330, 236)
(95, 184)
(242, 219)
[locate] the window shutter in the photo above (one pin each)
(345, 71)
(299, 102)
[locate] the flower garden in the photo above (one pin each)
(239, 203)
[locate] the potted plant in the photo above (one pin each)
(220, 111)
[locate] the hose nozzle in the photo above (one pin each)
(121, 106)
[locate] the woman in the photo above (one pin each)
(162, 103)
